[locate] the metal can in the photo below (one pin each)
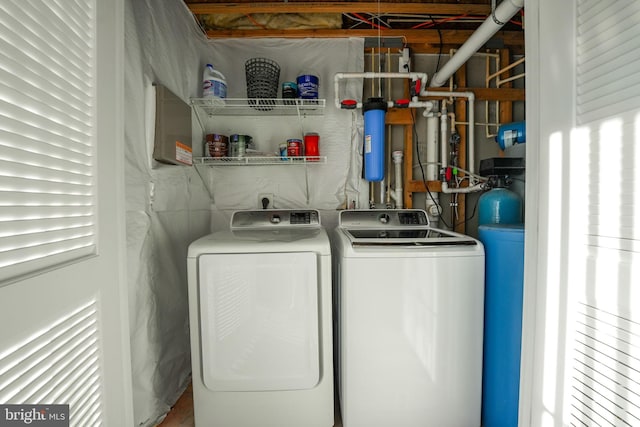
(238, 145)
(234, 146)
(216, 145)
(294, 148)
(289, 90)
(307, 86)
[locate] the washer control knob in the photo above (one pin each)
(384, 218)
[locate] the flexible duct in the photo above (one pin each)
(503, 13)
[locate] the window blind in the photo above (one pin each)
(47, 134)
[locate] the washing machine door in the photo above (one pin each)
(259, 321)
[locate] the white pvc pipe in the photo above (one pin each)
(471, 189)
(428, 105)
(414, 103)
(503, 13)
(432, 148)
(444, 146)
(432, 207)
(471, 134)
(397, 194)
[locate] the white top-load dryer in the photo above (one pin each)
(260, 316)
(410, 319)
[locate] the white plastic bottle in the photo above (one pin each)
(214, 85)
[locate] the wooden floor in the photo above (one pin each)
(181, 415)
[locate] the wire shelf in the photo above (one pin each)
(254, 106)
(258, 161)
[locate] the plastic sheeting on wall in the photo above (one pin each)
(168, 206)
(325, 186)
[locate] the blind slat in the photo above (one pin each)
(14, 198)
(65, 43)
(21, 63)
(38, 160)
(40, 225)
(607, 55)
(48, 102)
(72, 140)
(47, 135)
(51, 243)
(38, 170)
(81, 214)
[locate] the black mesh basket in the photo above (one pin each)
(263, 76)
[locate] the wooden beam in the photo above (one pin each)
(415, 186)
(399, 116)
(505, 115)
(340, 7)
(428, 37)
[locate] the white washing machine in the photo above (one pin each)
(410, 319)
(261, 328)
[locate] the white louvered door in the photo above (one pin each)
(63, 311)
(605, 378)
(582, 359)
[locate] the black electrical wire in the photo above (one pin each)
(441, 44)
(473, 213)
(424, 180)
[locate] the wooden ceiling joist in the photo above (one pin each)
(341, 7)
(430, 36)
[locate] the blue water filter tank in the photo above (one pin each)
(504, 270)
(374, 111)
(499, 206)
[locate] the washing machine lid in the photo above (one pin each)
(396, 227)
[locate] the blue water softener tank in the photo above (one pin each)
(374, 111)
(510, 134)
(504, 270)
(499, 206)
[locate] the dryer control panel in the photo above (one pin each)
(275, 218)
